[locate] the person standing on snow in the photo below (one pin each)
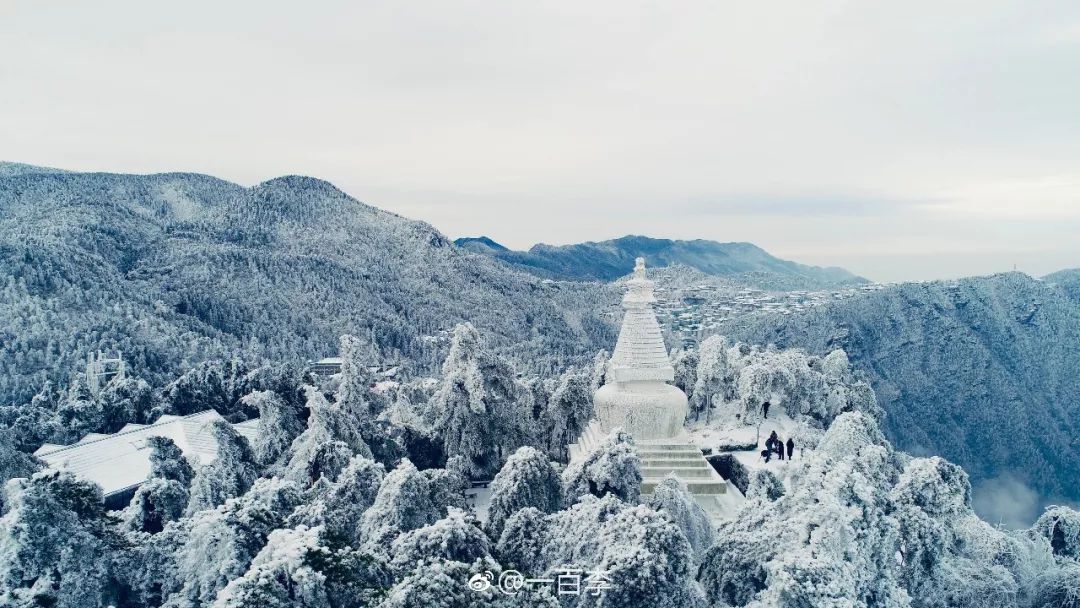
(790, 448)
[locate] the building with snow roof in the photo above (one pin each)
(120, 462)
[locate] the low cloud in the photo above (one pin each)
(1008, 501)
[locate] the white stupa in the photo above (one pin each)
(637, 398)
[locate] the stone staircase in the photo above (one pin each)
(661, 457)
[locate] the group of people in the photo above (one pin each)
(775, 444)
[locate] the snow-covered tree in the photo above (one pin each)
(125, 400)
(521, 544)
(456, 537)
(1058, 587)
(230, 474)
(441, 584)
(647, 560)
(950, 557)
(567, 413)
(712, 380)
(829, 540)
(156, 502)
(354, 393)
(55, 543)
(301, 567)
(599, 370)
(686, 364)
(327, 461)
(340, 508)
(613, 467)
(217, 545)
(1061, 527)
(280, 575)
(279, 425)
(672, 499)
(78, 413)
(409, 499)
(327, 423)
(764, 483)
(475, 408)
(836, 366)
(13, 462)
(167, 461)
(527, 479)
(643, 554)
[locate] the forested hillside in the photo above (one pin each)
(982, 371)
(609, 260)
(175, 269)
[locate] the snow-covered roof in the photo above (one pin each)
(121, 461)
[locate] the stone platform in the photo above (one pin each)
(661, 457)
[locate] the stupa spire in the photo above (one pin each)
(640, 354)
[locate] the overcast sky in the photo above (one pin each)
(902, 140)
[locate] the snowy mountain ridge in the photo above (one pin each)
(609, 260)
(173, 269)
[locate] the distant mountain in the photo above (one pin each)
(609, 260)
(173, 269)
(480, 245)
(1069, 280)
(983, 371)
(13, 169)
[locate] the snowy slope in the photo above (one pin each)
(982, 371)
(173, 269)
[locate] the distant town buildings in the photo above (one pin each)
(696, 311)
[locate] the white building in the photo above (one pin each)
(637, 398)
(120, 462)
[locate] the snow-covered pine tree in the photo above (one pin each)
(340, 508)
(13, 462)
(567, 413)
(672, 499)
(765, 484)
(613, 467)
(475, 408)
(599, 370)
(167, 461)
(456, 537)
(686, 363)
(643, 554)
(305, 568)
(327, 422)
(830, 540)
(125, 400)
(156, 502)
(279, 425)
(196, 557)
(527, 479)
(56, 543)
(229, 475)
(713, 376)
(77, 414)
(408, 499)
(1061, 527)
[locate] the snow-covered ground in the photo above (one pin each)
(726, 431)
(478, 500)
